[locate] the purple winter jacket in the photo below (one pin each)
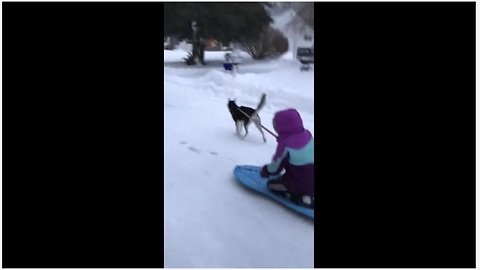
(294, 153)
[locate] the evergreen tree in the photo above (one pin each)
(225, 22)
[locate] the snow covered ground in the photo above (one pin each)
(210, 219)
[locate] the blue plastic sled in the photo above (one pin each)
(250, 177)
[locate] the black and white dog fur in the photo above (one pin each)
(241, 119)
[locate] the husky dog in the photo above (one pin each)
(244, 115)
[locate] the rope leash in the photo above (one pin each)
(251, 119)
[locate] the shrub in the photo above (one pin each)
(270, 43)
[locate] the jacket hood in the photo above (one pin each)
(288, 122)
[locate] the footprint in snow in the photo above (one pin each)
(194, 149)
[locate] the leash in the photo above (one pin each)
(266, 129)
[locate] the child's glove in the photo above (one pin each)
(264, 172)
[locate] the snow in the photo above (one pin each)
(210, 219)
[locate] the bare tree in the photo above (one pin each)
(270, 43)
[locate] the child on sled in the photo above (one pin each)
(294, 154)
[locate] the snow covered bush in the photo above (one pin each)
(279, 42)
(270, 43)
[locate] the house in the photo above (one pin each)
(301, 34)
(298, 33)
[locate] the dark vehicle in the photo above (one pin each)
(306, 57)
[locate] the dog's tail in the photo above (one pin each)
(262, 103)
